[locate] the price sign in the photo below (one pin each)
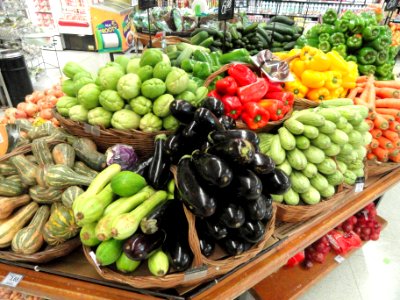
(226, 9)
(360, 181)
(12, 279)
(146, 4)
(339, 259)
(241, 4)
(391, 5)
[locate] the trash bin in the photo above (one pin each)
(15, 75)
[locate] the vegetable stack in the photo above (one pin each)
(255, 100)
(357, 38)
(383, 100)
(319, 149)
(319, 76)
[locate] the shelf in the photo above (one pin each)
(318, 2)
(290, 283)
(43, 12)
(287, 15)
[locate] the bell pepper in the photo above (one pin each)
(337, 62)
(232, 106)
(307, 52)
(188, 64)
(333, 80)
(318, 94)
(301, 41)
(349, 15)
(393, 51)
(354, 42)
(236, 55)
(323, 37)
(356, 24)
(341, 49)
(273, 86)
(366, 56)
(370, 33)
(377, 44)
(324, 46)
(342, 25)
(202, 69)
(351, 58)
(253, 92)
(274, 107)
(295, 260)
(297, 66)
(366, 69)
(336, 93)
(254, 115)
(242, 74)
(313, 42)
(314, 31)
(325, 28)
(337, 39)
(318, 62)
(329, 17)
(286, 97)
(215, 57)
(297, 88)
(384, 70)
(369, 18)
(214, 94)
(382, 57)
(313, 79)
(226, 86)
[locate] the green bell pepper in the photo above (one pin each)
(342, 25)
(382, 57)
(324, 46)
(215, 58)
(370, 33)
(325, 28)
(187, 65)
(348, 14)
(351, 58)
(202, 69)
(324, 37)
(337, 39)
(367, 56)
(384, 78)
(313, 42)
(356, 25)
(314, 32)
(201, 55)
(366, 69)
(354, 41)
(341, 49)
(329, 17)
(393, 51)
(301, 41)
(384, 70)
(377, 44)
(369, 18)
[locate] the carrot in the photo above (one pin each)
(388, 93)
(369, 150)
(388, 111)
(371, 156)
(394, 152)
(374, 144)
(395, 158)
(362, 79)
(389, 118)
(364, 93)
(385, 143)
(381, 154)
(353, 93)
(380, 122)
(388, 103)
(376, 133)
(395, 84)
(372, 115)
(391, 135)
(395, 126)
(358, 101)
(361, 85)
(371, 96)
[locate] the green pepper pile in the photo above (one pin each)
(357, 38)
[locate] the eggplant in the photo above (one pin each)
(175, 147)
(205, 146)
(234, 151)
(212, 169)
(140, 246)
(214, 105)
(227, 122)
(158, 173)
(268, 215)
(232, 245)
(268, 200)
(262, 164)
(251, 231)
(257, 209)
(215, 228)
(247, 185)
(207, 120)
(142, 168)
(182, 110)
(222, 136)
(194, 138)
(276, 182)
(207, 243)
(192, 193)
(232, 215)
(151, 223)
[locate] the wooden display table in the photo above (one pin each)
(73, 278)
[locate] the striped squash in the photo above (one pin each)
(81, 168)
(10, 188)
(7, 169)
(32, 159)
(41, 131)
(64, 154)
(26, 170)
(69, 195)
(41, 176)
(43, 195)
(41, 151)
(9, 204)
(29, 240)
(62, 176)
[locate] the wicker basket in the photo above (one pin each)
(300, 104)
(376, 168)
(48, 254)
(142, 142)
(299, 213)
(203, 269)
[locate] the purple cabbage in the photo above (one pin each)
(122, 154)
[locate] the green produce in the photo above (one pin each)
(88, 235)
(141, 105)
(161, 70)
(64, 104)
(151, 57)
(78, 113)
(333, 150)
(111, 101)
(330, 114)
(153, 88)
(355, 138)
(359, 172)
(339, 137)
(310, 132)
(277, 198)
(300, 183)
(287, 139)
(158, 263)
(265, 142)
(72, 68)
(68, 87)
(108, 252)
(115, 65)
(322, 141)
(319, 182)
(126, 265)
(192, 86)
(349, 177)
(314, 155)
(346, 149)
(311, 197)
(302, 142)
(201, 94)
(177, 81)
(170, 123)
(108, 77)
(328, 128)
(188, 96)
(327, 167)
(127, 183)
(145, 73)
(285, 167)
(291, 197)
(123, 61)
(161, 105)
(125, 119)
(341, 166)
(276, 152)
(296, 159)
(88, 96)
(150, 123)
(128, 86)
(99, 116)
(335, 178)
(310, 170)
(133, 65)
(310, 118)
(81, 82)
(328, 192)
(348, 158)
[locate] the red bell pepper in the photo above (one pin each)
(273, 86)
(214, 94)
(254, 115)
(226, 86)
(253, 92)
(232, 106)
(295, 260)
(274, 107)
(286, 97)
(242, 74)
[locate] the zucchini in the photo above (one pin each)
(276, 152)
(310, 132)
(291, 197)
(199, 37)
(287, 139)
(207, 42)
(311, 197)
(310, 118)
(300, 183)
(297, 159)
(294, 126)
(302, 142)
(336, 103)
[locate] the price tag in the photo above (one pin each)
(339, 259)
(359, 187)
(195, 273)
(146, 4)
(226, 8)
(93, 256)
(391, 5)
(12, 279)
(93, 130)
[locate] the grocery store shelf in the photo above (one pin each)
(322, 2)
(290, 283)
(43, 12)
(287, 15)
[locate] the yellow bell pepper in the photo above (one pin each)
(337, 62)
(307, 52)
(318, 94)
(336, 93)
(296, 87)
(333, 80)
(281, 55)
(294, 52)
(319, 62)
(349, 79)
(344, 93)
(313, 79)
(297, 66)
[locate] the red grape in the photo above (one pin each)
(371, 224)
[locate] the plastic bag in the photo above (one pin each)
(343, 242)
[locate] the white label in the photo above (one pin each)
(12, 279)
(359, 187)
(93, 130)
(198, 272)
(93, 256)
(339, 259)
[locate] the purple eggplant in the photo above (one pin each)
(251, 231)
(257, 209)
(227, 122)
(140, 246)
(214, 105)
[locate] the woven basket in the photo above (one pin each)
(48, 254)
(300, 104)
(142, 142)
(144, 38)
(207, 269)
(299, 213)
(376, 168)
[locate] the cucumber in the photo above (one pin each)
(88, 235)
(267, 36)
(207, 42)
(126, 265)
(210, 31)
(280, 28)
(234, 33)
(294, 126)
(199, 37)
(277, 36)
(289, 46)
(337, 102)
(276, 49)
(108, 252)
(250, 28)
(310, 118)
(288, 38)
(277, 44)
(158, 263)
(217, 43)
(283, 20)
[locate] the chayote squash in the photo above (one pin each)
(111, 101)
(128, 86)
(64, 104)
(88, 96)
(125, 119)
(99, 116)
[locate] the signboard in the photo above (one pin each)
(146, 4)
(391, 5)
(226, 9)
(241, 3)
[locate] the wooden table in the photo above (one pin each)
(86, 284)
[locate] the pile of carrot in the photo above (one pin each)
(383, 101)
